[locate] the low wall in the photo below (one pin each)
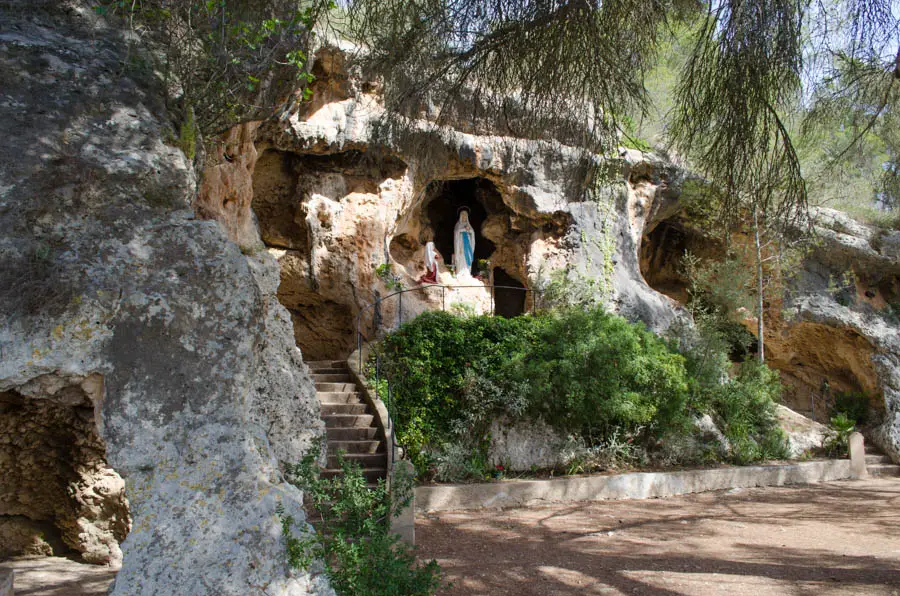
(6, 582)
(638, 485)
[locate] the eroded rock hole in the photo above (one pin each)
(300, 203)
(446, 198)
(58, 496)
(662, 251)
(509, 300)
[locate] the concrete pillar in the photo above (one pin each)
(405, 524)
(857, 456)
(6, 582)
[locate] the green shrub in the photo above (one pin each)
(446, 377)
(853, 404)
(744, 408)
(621, 393)
(838, 442)
(589, 372)
(361, 556)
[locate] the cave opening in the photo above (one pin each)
(445, 200)
(300, 201)
(58, 495)
(509, 301)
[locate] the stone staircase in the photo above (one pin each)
(879, 464)
(350, 426)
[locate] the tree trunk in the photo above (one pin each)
(760, 326)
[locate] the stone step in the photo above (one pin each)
(335, 387)
(338, 397)
(354, 446)
(347, 420)
(877, 459)
(370, 474)
(365, 460)
(350, 434)
(328, 371)
(357, 408)
(341, 378)
(327, 364)
(883, 470)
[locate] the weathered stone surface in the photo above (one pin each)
(857, 448)
(638, 485)
(56, 483)
(109, 277)
(336, 199)
(804, 435)
(525, 446)
(7, 582)
(833, 330)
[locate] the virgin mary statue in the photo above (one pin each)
(463, 245)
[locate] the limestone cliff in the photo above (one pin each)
(136, 341)
(336, 198)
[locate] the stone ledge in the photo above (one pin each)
(638, 485)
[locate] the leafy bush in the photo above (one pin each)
(838, 442)
(445, 373)
(361, 556)
(744, 408)
(855, 405)
(587, 373)
(621, 393)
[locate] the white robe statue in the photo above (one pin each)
(431, 264)
(463, 246)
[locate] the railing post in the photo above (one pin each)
(400, 309)
(442, 299)
(493, 311)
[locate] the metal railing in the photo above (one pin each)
(363, 341)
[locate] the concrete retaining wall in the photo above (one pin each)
(641, 485)
(6, 582)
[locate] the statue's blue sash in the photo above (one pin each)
(468, 249)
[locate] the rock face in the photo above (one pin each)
(347, 209)
(131, 327)
(834, 330)
(845, 325)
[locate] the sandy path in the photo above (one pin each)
(826, 539)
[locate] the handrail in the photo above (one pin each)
(362, 340)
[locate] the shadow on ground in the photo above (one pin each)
(834, 538)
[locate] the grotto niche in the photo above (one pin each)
(446, 198)
(58, 495)
(509, 300)
(504, 241)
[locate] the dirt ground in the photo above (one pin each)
(57, 576)
(826, 539)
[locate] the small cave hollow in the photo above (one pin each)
(660, 258)
(295, 197)
(58, 495)
(509, 300)
(445, 199)
(276, 202)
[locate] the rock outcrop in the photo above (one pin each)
(347, 209)
(139, 336)
(844, 325)
(835, 329)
